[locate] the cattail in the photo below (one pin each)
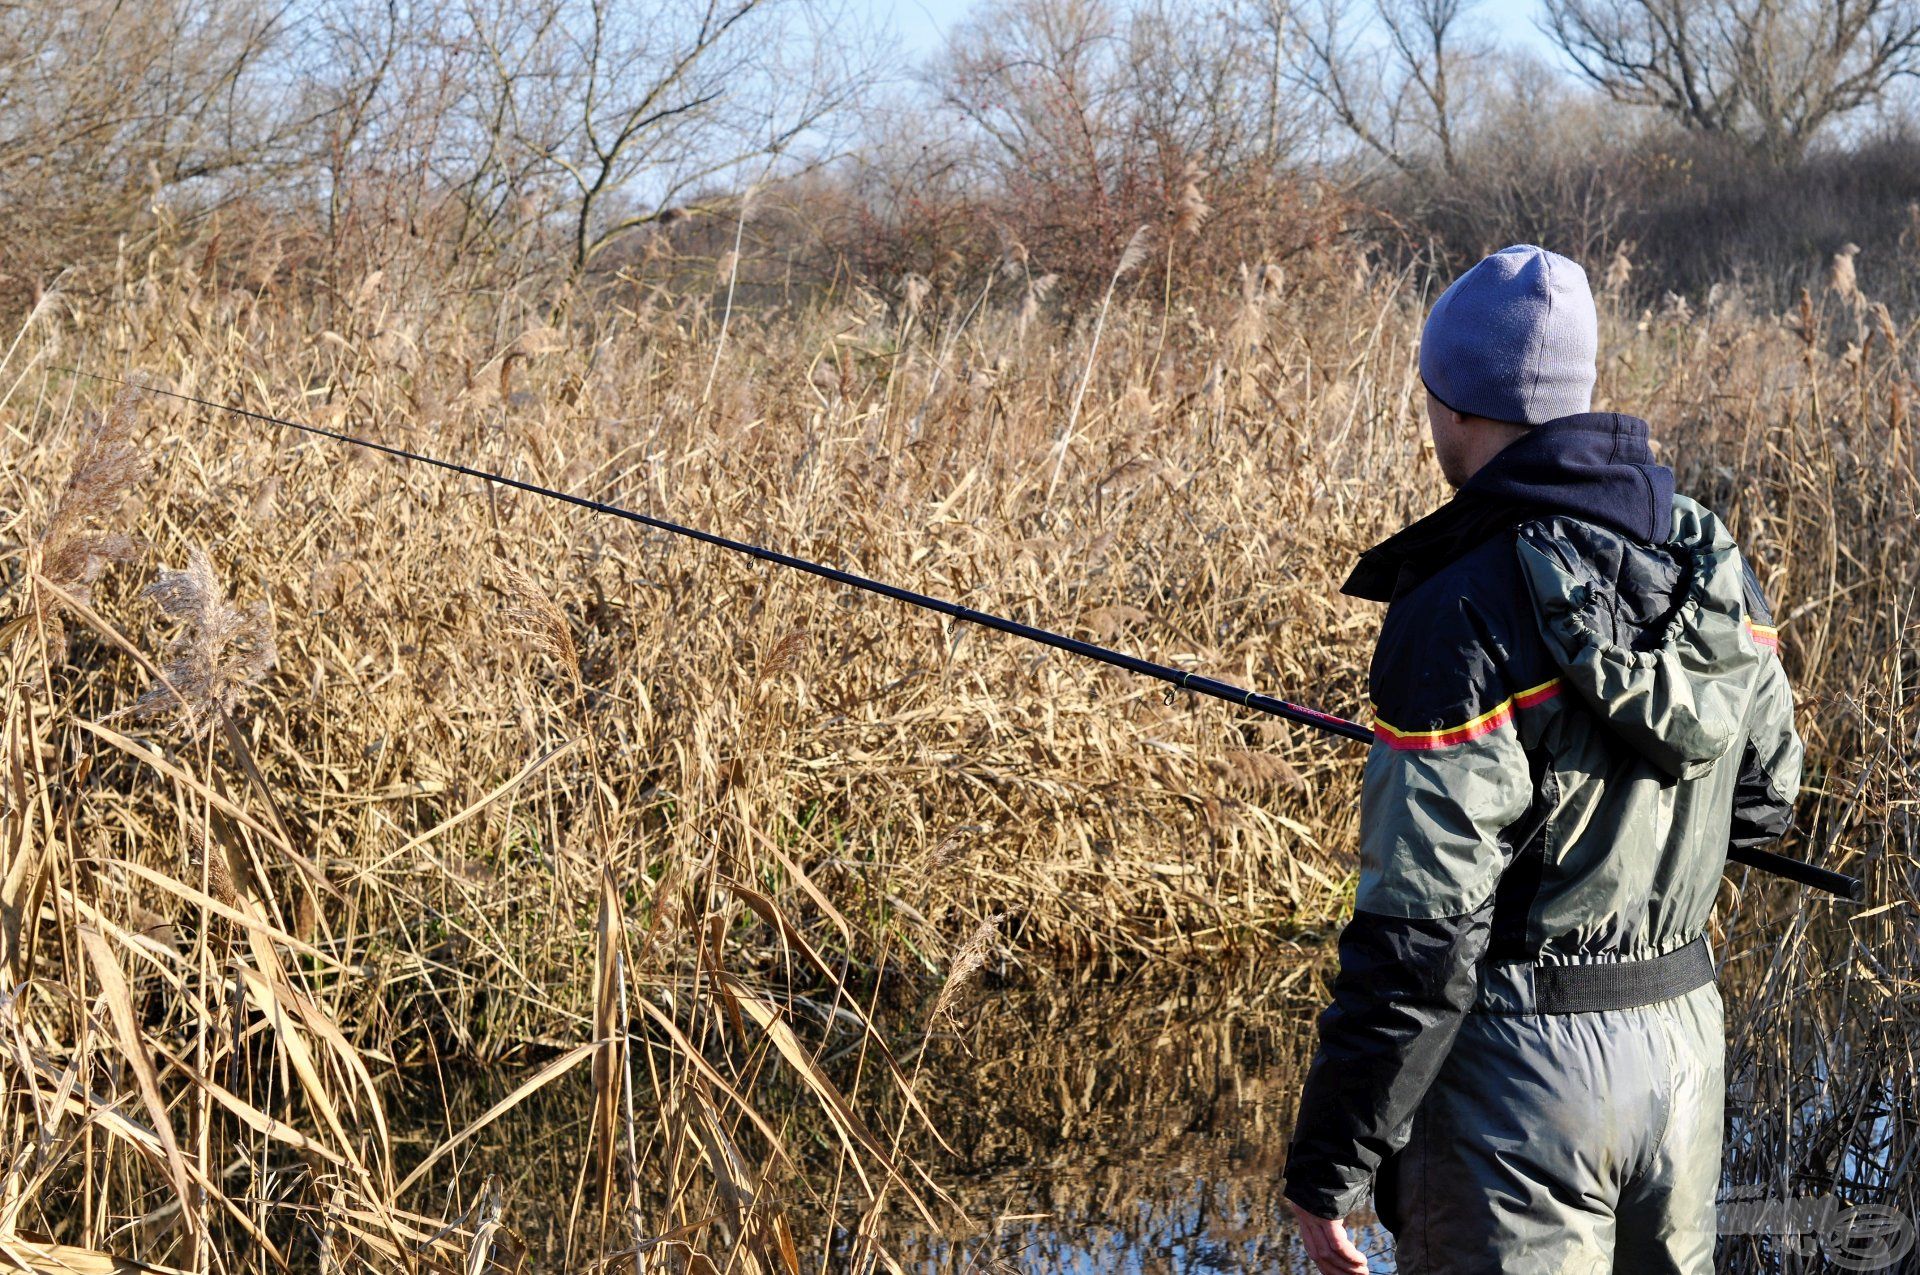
(221, 652)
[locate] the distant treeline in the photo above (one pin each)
(564, 145)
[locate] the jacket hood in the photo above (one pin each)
(1654, 638)
(1597, 466)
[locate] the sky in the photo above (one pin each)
(921, 23)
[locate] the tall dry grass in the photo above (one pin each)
(401, 775)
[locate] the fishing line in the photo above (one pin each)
(1793, 869)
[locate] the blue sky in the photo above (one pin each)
(921, 22)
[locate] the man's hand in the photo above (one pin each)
(1327, 1243)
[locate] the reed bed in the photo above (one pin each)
(325, 774)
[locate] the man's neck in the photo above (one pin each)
(1485, 440)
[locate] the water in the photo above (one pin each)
(1148, 1135)
(1132, 1129)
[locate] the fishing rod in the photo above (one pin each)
(1765, 860)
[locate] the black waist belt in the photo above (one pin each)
(1580, 989)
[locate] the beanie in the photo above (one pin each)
(1513, 339)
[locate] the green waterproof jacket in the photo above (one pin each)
(1578, 708)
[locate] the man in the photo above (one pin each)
(1578, 707)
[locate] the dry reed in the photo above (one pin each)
(404, 860)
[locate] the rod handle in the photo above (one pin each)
(1805, 873)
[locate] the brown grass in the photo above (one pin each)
(524, 788)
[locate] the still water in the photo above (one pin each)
(1136, 1128)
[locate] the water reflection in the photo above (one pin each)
(1137, 1128)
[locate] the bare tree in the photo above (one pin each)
(377, 78)
(1771, 71)
(1090, 118)
(614, 115)
(1390, 76)
(1039, 81)
(1211, 93)
(110, 114)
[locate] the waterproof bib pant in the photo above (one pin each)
(1566, 1144)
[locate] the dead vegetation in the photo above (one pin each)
(401, 774)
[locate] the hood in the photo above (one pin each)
(1654, 638)
(1596, 466)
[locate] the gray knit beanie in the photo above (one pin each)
(1513, 339)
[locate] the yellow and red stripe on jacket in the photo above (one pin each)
(1491, 720)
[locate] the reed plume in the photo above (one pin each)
(535, 617)
(77, 546)
(1138, 245)
(782, 655)
(221, 652)
(1619, 271)
(1843, 280)
(1191, 210)
(968, 961)
(1037, 289)
(1130, 258)
(1884, 326)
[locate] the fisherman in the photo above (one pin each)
(1578, 707)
